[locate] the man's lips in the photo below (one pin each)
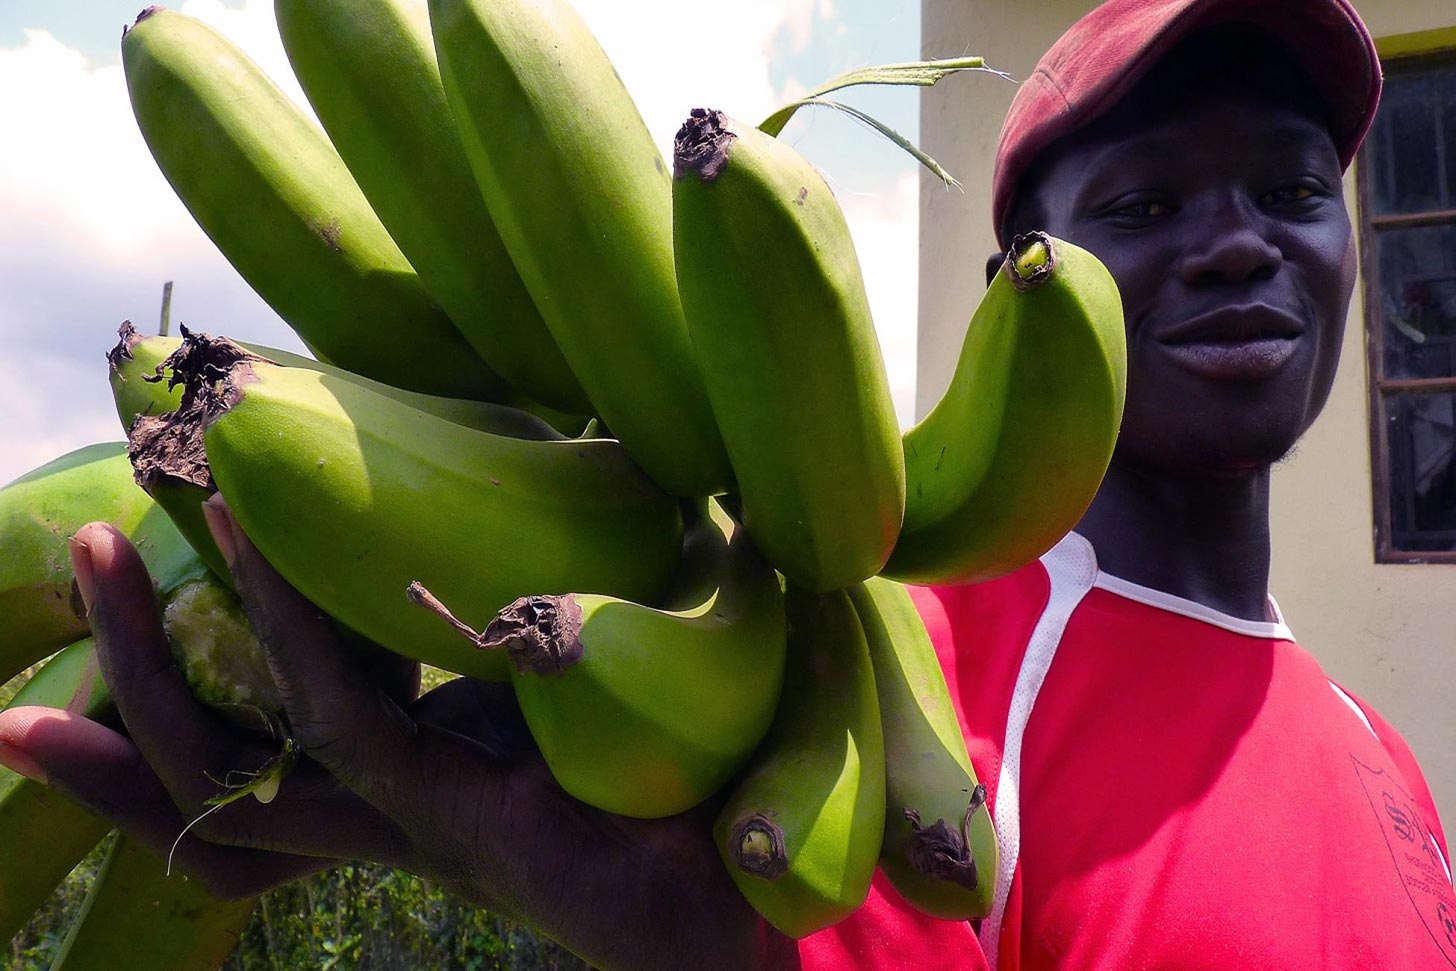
(1230, 325)
(1248, 343)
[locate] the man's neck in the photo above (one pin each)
(1206, 541)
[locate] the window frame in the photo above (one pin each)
(1379, 386)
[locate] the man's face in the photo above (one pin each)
(1226, 231)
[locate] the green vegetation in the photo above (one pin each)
(351, 918)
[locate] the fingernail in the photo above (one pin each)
(81, 567)
(220, 524)
(18, 762)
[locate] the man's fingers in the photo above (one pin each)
(337, 711)
(187, 747)
(95, 766)
(105, 772)
(315, 672)
(177, 735)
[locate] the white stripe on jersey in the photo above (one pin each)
(1072, 568)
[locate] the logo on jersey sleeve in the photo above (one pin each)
(1423, 869)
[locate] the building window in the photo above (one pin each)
(1407, 182)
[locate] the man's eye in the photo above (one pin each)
(1142, 210)
(1288, 194)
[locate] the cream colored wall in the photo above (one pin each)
(1387, 632)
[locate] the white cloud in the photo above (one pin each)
(76, 161)
(675, 56)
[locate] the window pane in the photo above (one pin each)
(1418, 301)
(1421, 431)
(1413, 141)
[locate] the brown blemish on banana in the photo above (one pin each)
(701, 145)
(756, 846)
(212, 372)
(330, 232)
(943, 852)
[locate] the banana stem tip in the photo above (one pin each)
(756, 846)
(146, 12)
(701, 145)
(1031, 261)
(540, 634)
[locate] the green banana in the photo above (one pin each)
(351, 495)
(265, 184)
(580, 195)
(939, 852)
(776, 307)
(158, 922)
(39, 512)
(369, 70)
(646, 711)
(44, 834)
(143, 397)
(801, 830)
(1010, 458)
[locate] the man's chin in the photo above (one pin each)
(1218, 459)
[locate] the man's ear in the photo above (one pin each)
(993, 266)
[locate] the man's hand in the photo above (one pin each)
(448, 786)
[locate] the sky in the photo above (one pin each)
(90, 231)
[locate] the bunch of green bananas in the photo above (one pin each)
(629, 420)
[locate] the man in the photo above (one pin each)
(1175, 783)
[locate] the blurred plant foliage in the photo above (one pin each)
(352, 918)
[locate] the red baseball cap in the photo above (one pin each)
(1101, 57)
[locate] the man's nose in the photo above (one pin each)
(1231, 245)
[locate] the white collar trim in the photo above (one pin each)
(1276, 629)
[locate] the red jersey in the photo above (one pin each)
(1172, 787)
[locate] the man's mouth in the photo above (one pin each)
(1245, 343)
